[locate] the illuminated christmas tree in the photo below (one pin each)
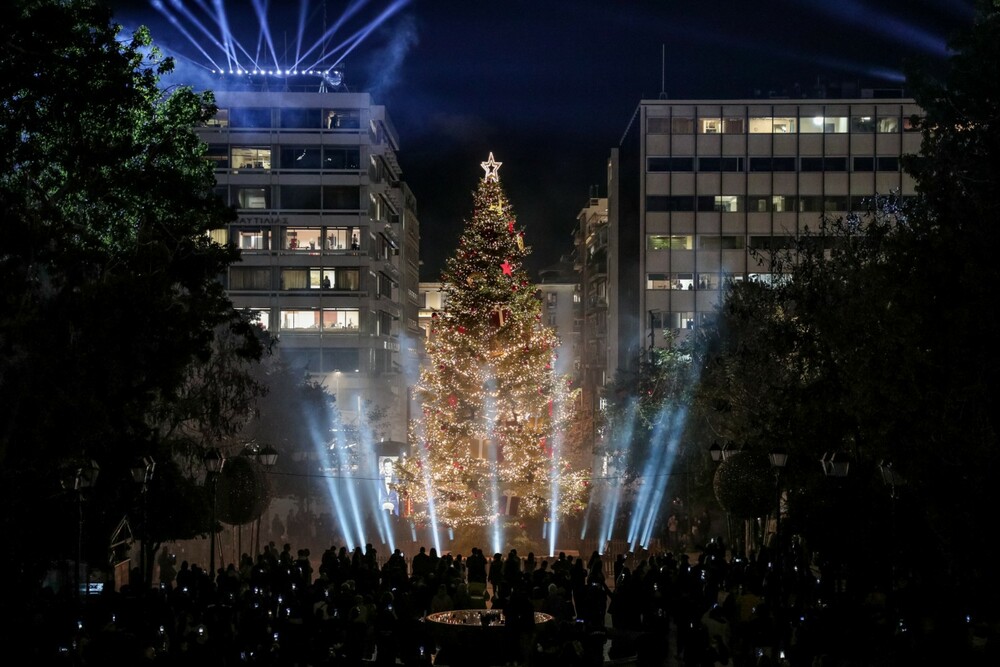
(494, 413)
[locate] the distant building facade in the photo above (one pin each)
(329, 236)
(695, 186)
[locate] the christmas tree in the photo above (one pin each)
(489, 439)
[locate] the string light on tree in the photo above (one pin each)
(492, 405)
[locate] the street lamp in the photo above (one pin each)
(778, 458)
(213, 460)
(82, 477)
(730, 450)
(716, 451)
(892, 479)
(835, 464)
(142, 473)
(266, 456)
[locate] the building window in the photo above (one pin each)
(824, 124)
(220, 119)
(342, 119)
(887, 125)
(727, 203)
(772, 164)
(293, 118)
(329, 319)
(823, 163)
(252, 198)
(712, 242)
(300, 197)
(657, 281)
(657, 164)
(657, 125)
(251, 239)
(772, 125)
(662, 203)
(708, 281)
(721, 126)
(668, 242)
(249, 118)
(341, 197)
(887, 163)
(342, 158)
(250, 157)
(670, 281)
(863, 163)
(783, 203)
(218, 155)
(758, 203)
(249, 278)
(863, 124)
(681, 125)
(338, 279)
(300, 157)
(810, 203)
(772, 243)
(342, 238)
(302, 238)
(720, 164)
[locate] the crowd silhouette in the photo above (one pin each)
(354, 606)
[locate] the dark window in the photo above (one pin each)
(341, 197)
(835, 164)
(341, 158)
(670, 164)
(657, 125)
(682, 126)
(772, 164)
(657, 203)
(246, 278)
(301, 118)
(888, 164)
(249, 117)
(811, 164)
(663, 203)
(218, 155)
(300, 157)
(864, 164)
(707, 203)
(720, 164)
(300, 197)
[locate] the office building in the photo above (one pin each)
(328, 232)
(696, 186)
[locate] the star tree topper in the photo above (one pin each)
(492, 167)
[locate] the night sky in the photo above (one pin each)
(549, 86)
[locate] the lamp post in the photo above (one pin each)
(142, 473)
(213, 460)
(836, 464)
(778, 458)
(892, 479)
(265, 456)
(82, 477)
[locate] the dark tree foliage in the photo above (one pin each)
(108, 277)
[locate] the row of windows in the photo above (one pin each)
(773, 163)
(811, 124)
(313, 278)
(689, 280)
(299, 197)
(757, 203)
(289, 118)
(326, 320)
(223, 156)
(293, 238)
